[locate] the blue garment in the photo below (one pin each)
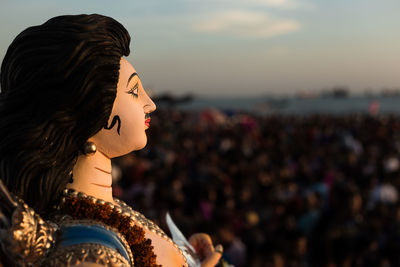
(75, 234)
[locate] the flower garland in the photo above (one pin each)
(84, 208)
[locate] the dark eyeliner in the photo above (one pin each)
(134, 90)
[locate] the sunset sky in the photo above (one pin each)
(242, 47)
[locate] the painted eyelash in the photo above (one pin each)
(134, 91)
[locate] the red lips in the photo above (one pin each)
(147, 122)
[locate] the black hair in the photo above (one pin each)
(58, 86)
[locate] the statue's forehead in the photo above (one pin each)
(125, 73)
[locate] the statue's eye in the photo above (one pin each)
(134, 90)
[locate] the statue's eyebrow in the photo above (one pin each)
(130, 78)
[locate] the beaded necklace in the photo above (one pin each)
(123, 218)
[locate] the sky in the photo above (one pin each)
(242, 47)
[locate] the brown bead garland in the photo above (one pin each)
(85, 208)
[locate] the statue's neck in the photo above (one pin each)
(92, 176)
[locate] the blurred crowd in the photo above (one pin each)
(296, 191)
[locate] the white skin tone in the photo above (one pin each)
(92, 173)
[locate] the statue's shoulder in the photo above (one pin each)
(80, 241)
(28, 240)
(25, 237)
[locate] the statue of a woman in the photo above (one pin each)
(69, 103)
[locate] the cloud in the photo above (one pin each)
(280, 4)
(283, 4)
(277, 3)
(247, 24)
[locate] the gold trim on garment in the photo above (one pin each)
(90, 253)
(68, 220)
(29, 237)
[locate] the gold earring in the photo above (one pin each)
(89, 148)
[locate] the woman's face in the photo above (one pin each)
(129, 119)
